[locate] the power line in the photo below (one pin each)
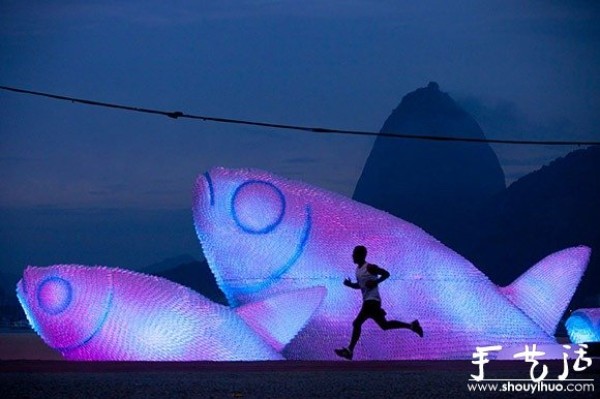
(179, 114)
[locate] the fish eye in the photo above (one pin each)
(257, 207)
(54, 295)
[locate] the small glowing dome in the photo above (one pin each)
(584, 325)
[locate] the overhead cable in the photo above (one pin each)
(321, 130)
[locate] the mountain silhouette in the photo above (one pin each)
(545, 211)
(456, 192)
(168, 264)
(197, 276)
(192, 273)
(433, 184)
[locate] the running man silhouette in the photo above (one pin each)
(368, 278)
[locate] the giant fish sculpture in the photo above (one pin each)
(100, 313)
(264, 235)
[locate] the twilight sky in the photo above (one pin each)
(524, 69)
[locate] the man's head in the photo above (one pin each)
(359, 255)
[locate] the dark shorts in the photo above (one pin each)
(371, 310)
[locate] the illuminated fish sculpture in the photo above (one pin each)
(100, 313)
(263, 235)
(583, 325)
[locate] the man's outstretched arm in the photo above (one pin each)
(349, 283)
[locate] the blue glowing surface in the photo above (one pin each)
(583, 325)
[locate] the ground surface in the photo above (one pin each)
(37, 373)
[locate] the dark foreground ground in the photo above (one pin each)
(29, 369)
(291, 379)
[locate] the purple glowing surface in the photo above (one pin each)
(99, 313)
(263, 235)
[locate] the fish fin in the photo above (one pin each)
(544, 291)
(278, 319)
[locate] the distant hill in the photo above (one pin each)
(167, 264)
(192, 273)
(456, 192)
(553, 208)
(434, 184)
(197, 276)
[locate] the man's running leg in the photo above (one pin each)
(357, 329)
(362, 316)
(395, 324)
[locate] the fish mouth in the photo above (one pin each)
(21, 294)
(209, 189)
(20, 287)
(204, 199)
(21, 297)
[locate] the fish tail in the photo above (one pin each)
(545, 290)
